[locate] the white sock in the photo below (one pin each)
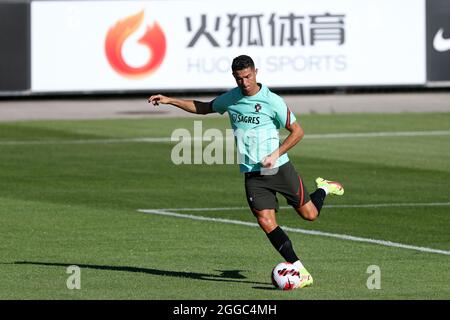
(324, 188)
(298, 265)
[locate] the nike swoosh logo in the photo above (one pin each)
(440, 43)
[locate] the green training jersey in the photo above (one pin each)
(256, 121)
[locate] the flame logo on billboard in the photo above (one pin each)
(154, 39)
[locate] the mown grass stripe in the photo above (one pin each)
(366, 205)
(168, 139)
(299, 230)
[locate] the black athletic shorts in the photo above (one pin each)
(261, 189)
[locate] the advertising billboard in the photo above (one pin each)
(438, 40)
(182, 45)
(14, 47)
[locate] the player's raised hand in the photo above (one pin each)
(157, 99)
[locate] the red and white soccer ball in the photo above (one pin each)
(285, 276)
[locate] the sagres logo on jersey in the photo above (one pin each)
(237, 117)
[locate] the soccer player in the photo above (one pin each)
(252, 107)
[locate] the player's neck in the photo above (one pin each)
(253, 92)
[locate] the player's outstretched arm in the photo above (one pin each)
(192, 106)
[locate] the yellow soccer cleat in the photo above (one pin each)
(306, 278)
(332, 187)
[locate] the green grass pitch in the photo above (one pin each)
(70, 196)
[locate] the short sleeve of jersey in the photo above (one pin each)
(221, 103)
(283, 114)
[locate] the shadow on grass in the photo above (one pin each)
(268, 288)
(225, 276)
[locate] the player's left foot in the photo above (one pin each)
(333, 187)
(305, 278)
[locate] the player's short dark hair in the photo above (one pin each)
(242, 62)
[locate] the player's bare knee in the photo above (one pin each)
(266, 223)
(309, 215)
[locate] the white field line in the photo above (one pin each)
(86, 141)
(378, 134)
(298, 230)
(367, 205)
(169, 140)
